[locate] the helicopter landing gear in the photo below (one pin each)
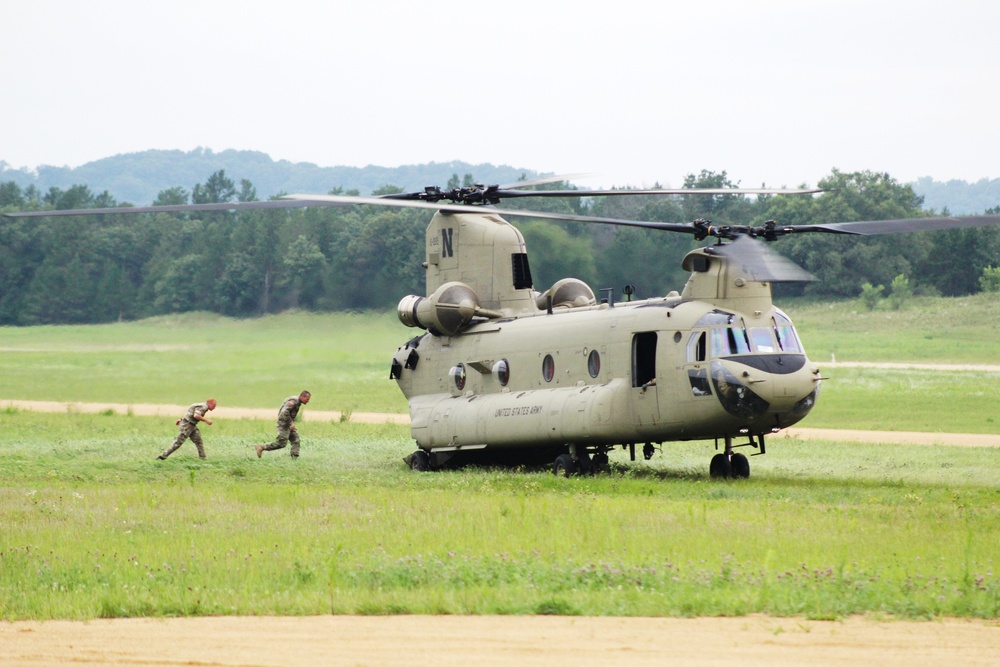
(740, 466)
(419, 460)
(600, 463)
(729, 465)
(564, 466)
(720, 467)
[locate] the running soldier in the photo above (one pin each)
(189, 428)
(286, 425)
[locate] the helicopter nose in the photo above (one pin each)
(752, 388)
(735, 394)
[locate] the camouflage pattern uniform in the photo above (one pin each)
(286, 419)
(189, 429)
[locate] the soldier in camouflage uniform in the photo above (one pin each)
(189, 428)
(286, 425)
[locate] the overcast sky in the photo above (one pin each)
(775, 92)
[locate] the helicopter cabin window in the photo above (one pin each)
(643, 358)
(458, 376)
(501, 371)
(594, 363)
(548, 368)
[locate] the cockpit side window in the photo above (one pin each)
(784, 332)
(696, 349)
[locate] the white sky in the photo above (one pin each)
(771, 91)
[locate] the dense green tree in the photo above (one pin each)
(109, 267)
(218, 189)
(11, 195)
(303, 263)
(176, 196)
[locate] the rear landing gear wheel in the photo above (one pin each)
(740, 466)
(420, 461)
(720, 467)
(564, 466)
(599, 463)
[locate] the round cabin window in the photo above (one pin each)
(594, 363)
(501, 371)
(548, 368)
(458, 375)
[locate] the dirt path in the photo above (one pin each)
(222, 412)
(509, 641)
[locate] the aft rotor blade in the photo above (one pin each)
(342, 200)
(170, 208)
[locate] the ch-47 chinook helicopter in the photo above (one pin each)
(507, 372)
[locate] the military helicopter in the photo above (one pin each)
(506, 372)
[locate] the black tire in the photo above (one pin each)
(564, 466)
(599, 463)
(420, 461)
(740, 466)
(720, 468)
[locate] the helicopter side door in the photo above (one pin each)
(645, 406)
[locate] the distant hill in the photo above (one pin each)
(958, 197)
(137, 178)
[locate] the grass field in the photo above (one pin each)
(95, 527)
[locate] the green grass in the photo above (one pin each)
(959, 330)
(343, 359)
(95, 527)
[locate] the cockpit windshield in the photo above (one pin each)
(729, 336)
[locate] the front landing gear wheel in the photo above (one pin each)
(720, 467)
(419, 461)
(564, 466)
(740, 466)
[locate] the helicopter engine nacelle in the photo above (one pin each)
(443, 313)
(566, 293)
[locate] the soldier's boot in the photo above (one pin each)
(260, 450)
(161, 457)
(201, 452)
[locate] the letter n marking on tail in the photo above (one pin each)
(447, 250)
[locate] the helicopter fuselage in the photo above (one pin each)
(535, 374)
(604, 375)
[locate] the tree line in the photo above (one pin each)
(90, 269)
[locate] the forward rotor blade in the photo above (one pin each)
(869, 227)
(512, 193)
(761, 262)
(543, 180)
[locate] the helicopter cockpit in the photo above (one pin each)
(728, 356)
(729, 336)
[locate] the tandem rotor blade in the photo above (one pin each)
(170, 208)
(761, 262)
(902, 225)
